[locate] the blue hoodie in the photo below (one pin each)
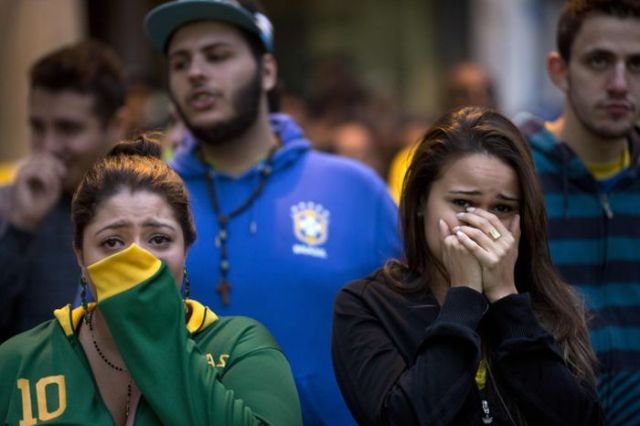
(320, 222)
(594, 239)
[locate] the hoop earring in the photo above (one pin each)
(83, 298)
(186, 286)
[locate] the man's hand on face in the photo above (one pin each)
(37, 189)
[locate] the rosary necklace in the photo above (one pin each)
(112, 365)
(224, 287)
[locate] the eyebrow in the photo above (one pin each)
(151, 223)
(186, 52)
(598, 51)
(477, 193)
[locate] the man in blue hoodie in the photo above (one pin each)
(281, 227)
(588, 162)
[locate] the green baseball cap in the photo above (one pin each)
(162, 21)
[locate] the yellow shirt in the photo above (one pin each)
(481, 374)
(604, 171)
(398, 169)
(7, 173)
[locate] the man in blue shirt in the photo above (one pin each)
(281, 227)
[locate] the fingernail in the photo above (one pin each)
(456, 228)
(461, 214)
(470, 209)
(459, 233)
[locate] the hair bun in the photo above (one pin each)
(144, 145)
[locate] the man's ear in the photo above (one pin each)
(558, 71)
(269, 72)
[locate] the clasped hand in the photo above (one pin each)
(481, 252)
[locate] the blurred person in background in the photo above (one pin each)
(148, 105)
(76, 114)
(589, 163)
(173, 134)
(356, 139)
(467, 84)
(336, 94)
(150, 110)
(282, 227)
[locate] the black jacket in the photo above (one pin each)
(400, 359)
(39, 271)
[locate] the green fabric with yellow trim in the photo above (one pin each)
(202, 370)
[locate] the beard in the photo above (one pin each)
(245, 103)
(604, 131)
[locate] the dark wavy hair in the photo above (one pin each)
(133, 165)
(475, 130)
(88, 67)
(575, 12)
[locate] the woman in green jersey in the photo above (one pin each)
(143, 354)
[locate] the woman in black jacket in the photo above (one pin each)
(474, 326)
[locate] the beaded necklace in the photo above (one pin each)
(224, 287)
(112, 365)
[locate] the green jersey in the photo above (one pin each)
(202, 370)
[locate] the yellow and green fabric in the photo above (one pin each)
(201, 370)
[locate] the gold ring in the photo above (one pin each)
(493, 233)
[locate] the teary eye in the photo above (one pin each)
(503, 208)
(160, 240)
(111, 243)
(461, 203)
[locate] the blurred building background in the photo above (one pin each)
(379, 62)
